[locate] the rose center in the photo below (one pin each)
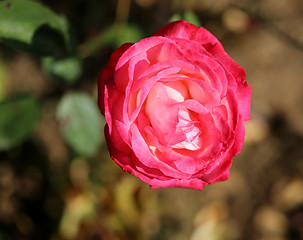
(189, 130)
(173, 124)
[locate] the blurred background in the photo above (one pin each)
(57, 181)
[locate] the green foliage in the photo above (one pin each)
(29, 26)
(66, 69)
(18, 117)
(120, 34)
(192, 17)
(81, 123)
(114, 37)
(188, 16)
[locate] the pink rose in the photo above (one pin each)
(175, 105)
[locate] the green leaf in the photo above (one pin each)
(175, 17)
(192, 18)
(3, 80)
(114, 36)
(18, 117)
(81, 123)
(30, 26)
(66, 69)
(188, 16)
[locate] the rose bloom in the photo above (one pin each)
(175, 105)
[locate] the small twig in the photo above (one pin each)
(122, 14)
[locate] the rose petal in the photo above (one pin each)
(129, 162)
(162, 114)
(176, 91)
(144, 91)
(178, 183)
(108, 73)
(143, 153)
(243, 95)
(142, 47)
(203, 93)
(185, 30)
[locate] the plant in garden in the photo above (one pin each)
(175, 105)
(41, 32)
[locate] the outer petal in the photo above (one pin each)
(107, 73)
(221, 172)
(129, 162)
(185, 30)
(194, 183)
(243, 95)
